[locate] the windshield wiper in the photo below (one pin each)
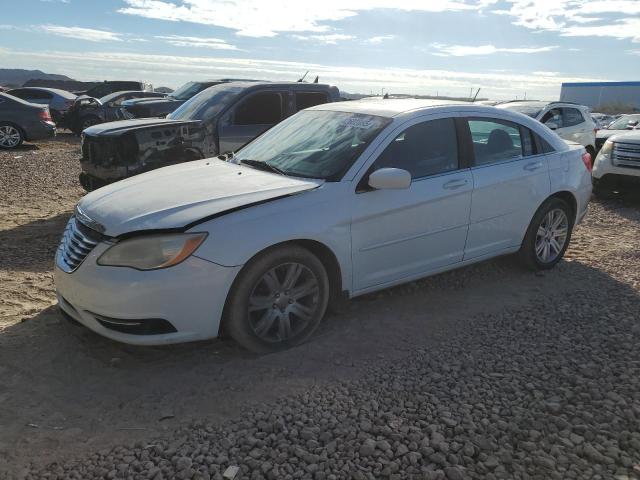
(263, 166)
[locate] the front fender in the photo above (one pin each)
(318, 215)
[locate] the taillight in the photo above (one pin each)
(586, 159)
(44, 115)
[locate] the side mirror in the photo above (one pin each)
(390, 179)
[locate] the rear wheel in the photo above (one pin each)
(10, 136)
(548, 235)
(278, 300)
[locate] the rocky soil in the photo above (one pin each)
(487, 372)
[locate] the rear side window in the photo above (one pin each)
(542, 146)
(424, 149)
(309, 99)
(571, 117)
(265, 108)
(495, 140)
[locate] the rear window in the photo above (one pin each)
(572, 117)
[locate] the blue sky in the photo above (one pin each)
(505, 47)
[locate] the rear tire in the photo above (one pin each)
(548, 235)
(278, 300)
(10, 136)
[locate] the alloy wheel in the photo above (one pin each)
(283, 302)
(9, 136)
(551, 235)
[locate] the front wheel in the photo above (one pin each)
(10, 136)
(548, 235)
(278, 300)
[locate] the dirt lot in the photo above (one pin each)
(75, 403)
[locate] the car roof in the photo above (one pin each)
(58, 91)
(389, 107)
(263, 83)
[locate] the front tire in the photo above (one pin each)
(548, 235)
(278, 300)
(10, 136)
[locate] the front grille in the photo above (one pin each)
(626, 155)
(77, 242)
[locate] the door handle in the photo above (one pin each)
(453, 184)
(533, 166)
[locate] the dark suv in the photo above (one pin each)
(221, 119)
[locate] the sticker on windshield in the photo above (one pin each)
(358, 122)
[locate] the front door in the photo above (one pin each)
(252, 116)
(398, 234)
(510, 182)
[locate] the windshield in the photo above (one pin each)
(108, 98)
(625, 122)
(315, 143)
(530, 110)
(206, 104)
(186, 91)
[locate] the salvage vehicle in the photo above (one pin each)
(58, 101)
(111, 86)
(570, 121)
(218, 120)
(339, 200)
(620, 125)
(88, 111)
(618, 163)
(20, 121)
(147, 108)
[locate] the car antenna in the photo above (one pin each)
(305, 74)
(476, 95)
(316, 80)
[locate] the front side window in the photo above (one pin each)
(265, 108)
(571, 117)
(314, 143)
(552, 119)
(495, 140)
(309, 99)
(424, 149)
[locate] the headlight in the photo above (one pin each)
(151, 252)
(605, 151)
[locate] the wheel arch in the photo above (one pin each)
(326, 256)
(568, 197)
(13, 124)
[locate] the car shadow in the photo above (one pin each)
(624, 202)
(31, 247)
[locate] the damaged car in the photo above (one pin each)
(88, 111)
(219, 120)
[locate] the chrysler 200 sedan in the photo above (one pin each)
(338, 200)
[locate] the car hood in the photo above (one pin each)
(628, 137)
(122, 126)
(136, 101)
(604, 133)
(177, 196)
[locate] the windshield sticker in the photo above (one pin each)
(358, 122)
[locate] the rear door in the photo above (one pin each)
(251, 116)
(510, 181)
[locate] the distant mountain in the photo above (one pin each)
(16, 77)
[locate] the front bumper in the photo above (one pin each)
(189, 297)
(604, 167)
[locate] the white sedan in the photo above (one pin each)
(337, 201)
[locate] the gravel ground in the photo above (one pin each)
(495, 373)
